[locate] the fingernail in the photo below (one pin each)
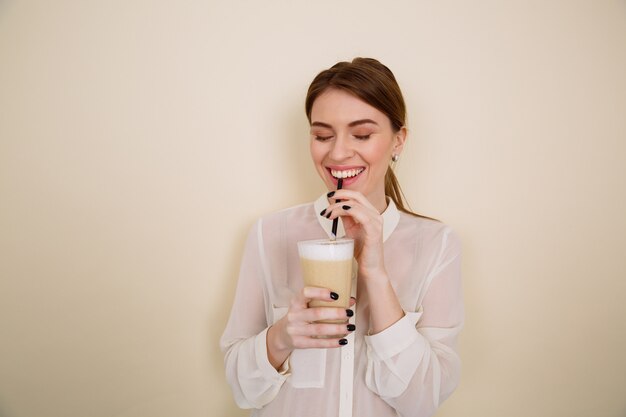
(329, 195)
(322, 212)
(343, 342)
(328, 214)
(351, 327)
(334, 295)
(346, 207)
(349, 313)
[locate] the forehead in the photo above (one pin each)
(338, 107)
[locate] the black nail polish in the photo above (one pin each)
(346, 207)
(349, 313)
(351, 327)
(328, 214)
(330, 194)
(334, 295)
(322, 212)
(343, 342)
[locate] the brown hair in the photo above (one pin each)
(375, 84)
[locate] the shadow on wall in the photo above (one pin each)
(216, 320)
(292, 147)
(294, 150)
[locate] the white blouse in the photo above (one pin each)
(406, 370)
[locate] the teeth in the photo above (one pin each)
(347, 173)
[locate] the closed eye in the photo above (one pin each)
(362, 137)
(322, 138)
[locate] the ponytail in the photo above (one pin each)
(394, 191)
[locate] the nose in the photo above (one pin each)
(341, 148)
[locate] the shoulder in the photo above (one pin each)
(429, 232)
(288, 214)
(424, 225)
(288, 222)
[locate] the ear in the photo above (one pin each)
(399, 139)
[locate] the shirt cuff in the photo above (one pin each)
(263, 362)
(396, 337)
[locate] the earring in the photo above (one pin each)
(395, 157)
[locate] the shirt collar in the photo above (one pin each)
(391, 218)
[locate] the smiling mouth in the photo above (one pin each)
(348, 173)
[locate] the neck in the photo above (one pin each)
(378, 200)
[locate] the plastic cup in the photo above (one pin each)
(328, 264)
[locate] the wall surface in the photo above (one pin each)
(140, 139)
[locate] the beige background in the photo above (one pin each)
(139, 140)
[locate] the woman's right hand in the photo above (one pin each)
(298, 330)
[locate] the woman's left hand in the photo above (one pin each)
(363, 223)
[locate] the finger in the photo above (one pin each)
(315, 314)
(306, 342)
(352, 301)
(343, 204)
(351, 205)
(321, 329)
(341, 208)
(319, 293)
(345, 194)
(359, 214)
(349, 208)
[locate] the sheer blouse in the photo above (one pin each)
(406, 370)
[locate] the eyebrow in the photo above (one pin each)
(351, 124)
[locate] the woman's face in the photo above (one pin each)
(352, 140)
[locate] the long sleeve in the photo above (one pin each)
(413, 365)
(252, 378)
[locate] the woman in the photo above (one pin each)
(397, 356)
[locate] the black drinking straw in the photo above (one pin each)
(336, 220)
